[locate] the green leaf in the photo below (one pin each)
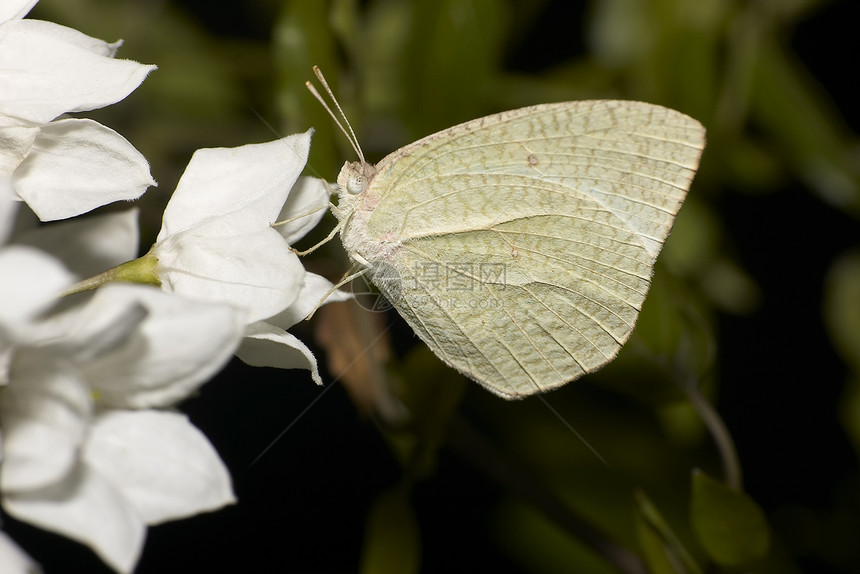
(729, 524)
(392, 543)
(842, 316)
(842, 306)
(443, 57)
(302, 38)
(663, 551)
(801, 119)
(431, 392)
(539, 545)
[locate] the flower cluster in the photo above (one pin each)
(91, 447)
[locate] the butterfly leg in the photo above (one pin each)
(346, 279)
(328, 238)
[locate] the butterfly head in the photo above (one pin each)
(354, 177)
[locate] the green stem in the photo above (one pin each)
(502, 467)
(141, 270)
(720, 433)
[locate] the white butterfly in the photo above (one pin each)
(520, 246)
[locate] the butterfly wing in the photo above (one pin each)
(526, 240)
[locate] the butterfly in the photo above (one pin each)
(520, 246)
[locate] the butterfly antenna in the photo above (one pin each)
(350, 135)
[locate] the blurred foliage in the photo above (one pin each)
(391, 540)
(729, 524)
(842, 313)
(662, 551)
(529, 495)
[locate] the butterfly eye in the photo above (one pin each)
(356, 183)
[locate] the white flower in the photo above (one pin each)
(85, 453)
(32, 281)
(8, 209)
(13, 560)
(217, 242)
(37, 281)
(66, 167)
(11, 9)
(268, 344)
(86, 245)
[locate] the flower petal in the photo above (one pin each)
(32, 281)
(232, 260)
(266, 345)
(44, 412)
(89, 245)
(179, 346)
(160, 462)
(314, 288)
(306, 205)
(13, 559)
(77, 165)
(45, 74)
(15, 143)
(107, 322)
(219, 181)
(86, 508)
(8, 209)
(15, 9)
(75, 37)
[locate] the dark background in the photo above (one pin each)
(758, 222)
